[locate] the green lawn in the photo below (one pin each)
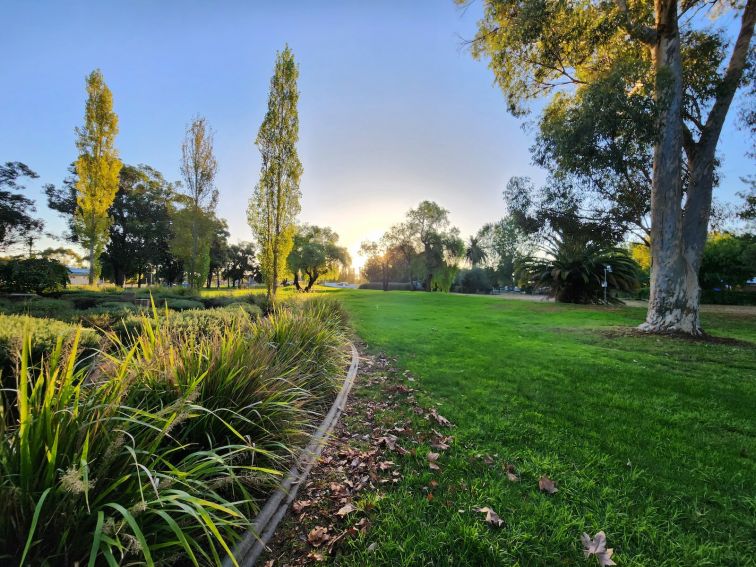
(652, 440)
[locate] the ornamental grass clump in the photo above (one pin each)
(89, 479)
(161, 448)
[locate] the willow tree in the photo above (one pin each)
(691, 72)
(97, 169)
(195, 213)
(276, 200)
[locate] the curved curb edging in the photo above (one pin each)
(248, 550)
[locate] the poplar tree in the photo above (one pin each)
(276, 200)
(194, 221)
(97, 168)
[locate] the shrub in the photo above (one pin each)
(475, 281)
(76, 457)
(108, 313)
(573, 270)
(178, 304)
(161, 449)
(209, 321)
(37, 275)
(393, 286)
(44, 334)
(40, 307)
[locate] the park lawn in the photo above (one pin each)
(652, 440)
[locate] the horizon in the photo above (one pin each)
(391, 113)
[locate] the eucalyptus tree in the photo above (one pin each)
(97, 170)
(275, 203)
(664, 50)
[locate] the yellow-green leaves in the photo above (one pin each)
(97, 168)
(275, 202)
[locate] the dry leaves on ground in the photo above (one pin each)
(545, 484)
(432, 458)
(492, 518)
(318, 536)
(597, 546)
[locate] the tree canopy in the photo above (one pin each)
(626, 81)
(316, 253)
(16, 220)
(275, 203)
(97, 169)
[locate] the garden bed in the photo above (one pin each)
(165, 444)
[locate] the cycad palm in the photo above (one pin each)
(573, 268)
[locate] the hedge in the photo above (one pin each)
(44, 333)
(392, 286)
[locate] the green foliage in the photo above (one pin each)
(97, 168)
(179, 304)
(275, 203)
(728, 261)
(44, 334)
(316, 253)
(573, 269)
(392, 286)
(38, 275)
(475, 253)
(240, 263)
(192, 228)
(16, 221)
(161, 451)
(39, 307)
(140, 230)
(475, 281)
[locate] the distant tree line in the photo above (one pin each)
(139, 228)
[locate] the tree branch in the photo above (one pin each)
(731, 79)
(640, 32)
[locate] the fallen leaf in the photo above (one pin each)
(597, 546)
(346, 509)
(315, 556)
(372, 547)
(318, 536)
(433, 484)
(432, 458)
(300, 505)
(547, 485)
(488, 459)
(511, 474)
(492, 518)
(440, 419)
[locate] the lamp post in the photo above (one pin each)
(605, 284)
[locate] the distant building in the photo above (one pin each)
(78, 276)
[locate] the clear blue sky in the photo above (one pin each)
(393, 110)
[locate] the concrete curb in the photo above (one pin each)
(248, 550)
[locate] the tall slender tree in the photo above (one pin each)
(276, 200)
(200, 197)
(97, 168)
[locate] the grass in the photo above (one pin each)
(652, 440)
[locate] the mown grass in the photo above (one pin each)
(652, 440)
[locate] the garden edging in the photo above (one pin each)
(249, 549)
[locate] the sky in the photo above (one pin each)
(393, 109)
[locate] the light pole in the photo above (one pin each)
(605, 284)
